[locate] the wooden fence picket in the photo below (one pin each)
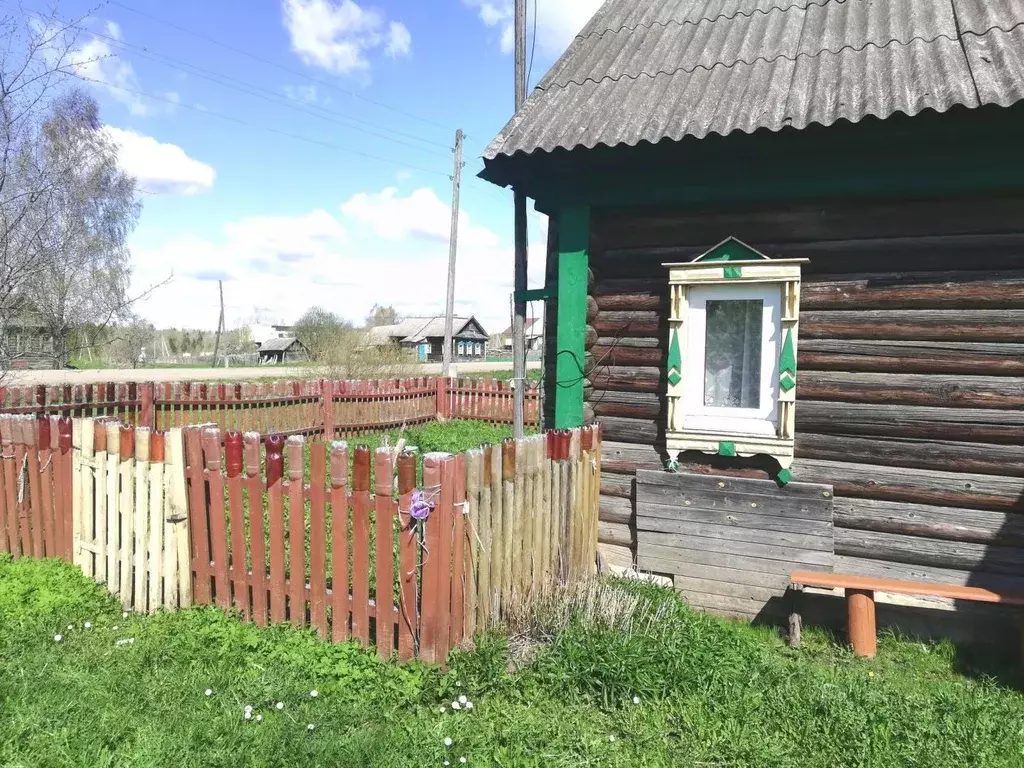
(408, 551)
(384, 514)
(361, 544)
(296, 445)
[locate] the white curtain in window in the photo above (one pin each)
(732, 356)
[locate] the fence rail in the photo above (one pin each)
(307, 532)
(324, 407)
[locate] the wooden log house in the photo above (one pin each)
(875, 143)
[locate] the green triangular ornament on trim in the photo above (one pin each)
(787, 364)
(675, 360)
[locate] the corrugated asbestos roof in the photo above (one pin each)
(665, 69)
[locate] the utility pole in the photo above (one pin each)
(453, 240)
(521, 235)
(220, 324)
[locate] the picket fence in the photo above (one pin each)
(195, 515)
(318, 407)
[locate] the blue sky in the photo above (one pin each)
(288, 221)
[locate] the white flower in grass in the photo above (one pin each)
(209, 691)
(247, 715)
(58, 638)
(469, 705)
(70, 627)
(279, 705)
(310, 727)
(124, 615)
(114, 628)
(462, 760)
(611, 738)
(458, 683)
(446, 763)
(88, 625)
(248, 707)
(447, 741)
(636, 699)
(443, 710)
(456, 705)
(463, 699)
(259, 718)
(125, 641)
(314, 693)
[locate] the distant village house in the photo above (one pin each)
(425, 335)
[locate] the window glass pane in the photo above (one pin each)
(732, 357)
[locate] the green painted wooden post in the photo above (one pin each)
(573, 258)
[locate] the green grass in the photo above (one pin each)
(710, 693)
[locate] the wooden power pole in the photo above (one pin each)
(521, 240)
(449, 308)
(220, 324)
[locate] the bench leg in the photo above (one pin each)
(795, 620)
(860, 622)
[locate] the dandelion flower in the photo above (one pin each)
(115, 628)
(248, 707)
(463, 699)
(280, 705)
(88, 625)
(124, 615)
(310, 727)
(871, 674)
(247, 715)
(314, 693)
(443, 710)
(456, 705)
(58, 638)
(447, 741)
(636, 699)
(469, 705)
(71, 626)
(611, 738)
(458, 683)
(446, 763)
(462, 760)
(259, 718)
(209, 691)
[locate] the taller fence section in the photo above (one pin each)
(35, 486)
(129, 518)
(312, 534)
(326, 407)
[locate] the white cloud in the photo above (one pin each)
(420, 215)
(399, 39)
(304, 93)
(97, 64)
(337, 36)
(382, 248)
(160, 168)
(558, 21)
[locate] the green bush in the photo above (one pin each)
(456, 436)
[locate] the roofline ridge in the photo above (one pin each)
(720, 17)
(759, 59)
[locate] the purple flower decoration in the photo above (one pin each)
(421, 508)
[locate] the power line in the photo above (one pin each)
(256, 57)
(267, 128)
(533, 45)
(252, 90)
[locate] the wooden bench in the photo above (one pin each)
(860, 602)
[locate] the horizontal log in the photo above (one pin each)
(613, 509)
(884, 569)
(836, 222)
(949, 523)
(913, 324)
(614, 354)
(911, 389)
(689, 529)
(653, 299)
(614, 556)
(947, 456)
(627, 458)
(619, 486)
(637, 405)
(632, 341)
(915, 290)
(977, 358)
(918, 550)
(645, 430)
(638, 323)
(917, 486)
(979, 425)
(617, 534)
(737, 576)
(627, 378)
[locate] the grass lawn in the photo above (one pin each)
(708, 693)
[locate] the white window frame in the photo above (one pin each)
(740, 421)
(720, 275)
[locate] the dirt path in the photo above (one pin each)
(52, 377)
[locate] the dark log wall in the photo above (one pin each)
(910, 398)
